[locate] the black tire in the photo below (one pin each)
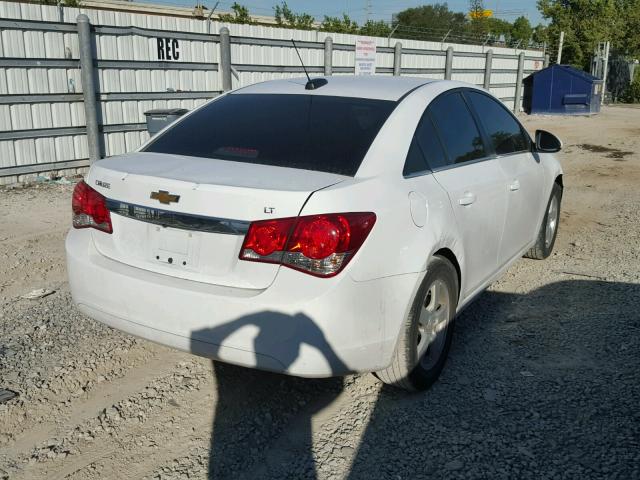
(543, 248)
(407, 371)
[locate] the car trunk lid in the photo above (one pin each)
(186, 217)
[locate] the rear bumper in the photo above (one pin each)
(301, 325)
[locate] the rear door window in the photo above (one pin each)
(426, 152)
(310, 132)
(415, 163)
(457, 128)
(430, 143)
(504, 131)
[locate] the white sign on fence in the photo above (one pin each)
(365, 57)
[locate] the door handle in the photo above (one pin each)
(467, 199)
(515, 186)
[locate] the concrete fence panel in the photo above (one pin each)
(136, 62)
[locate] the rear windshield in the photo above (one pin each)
(310, 132)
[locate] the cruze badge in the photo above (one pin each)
(165, 197)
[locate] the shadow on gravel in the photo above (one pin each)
(541, 385)
(262, 420)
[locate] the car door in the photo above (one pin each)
(522, 171)
(473, 181)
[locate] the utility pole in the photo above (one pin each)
(209, 16)
(560, 48)
(598, 58)
(368, 8)
(605, 68)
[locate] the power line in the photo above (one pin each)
(369, 6)
(400, 31)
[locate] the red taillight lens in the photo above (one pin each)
(90, 209)
(319, 237)
(268, 237)
(321, 245)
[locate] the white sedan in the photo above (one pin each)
(315, 229)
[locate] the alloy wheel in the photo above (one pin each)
(552, 221)
(432, 324)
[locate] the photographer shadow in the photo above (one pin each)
(262, 420)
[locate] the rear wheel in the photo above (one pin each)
(425, 340)
(549, 228)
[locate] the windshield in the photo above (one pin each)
(310, 132)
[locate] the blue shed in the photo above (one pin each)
(563, 90)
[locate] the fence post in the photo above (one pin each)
(487, 69)
(397, 59)
(328, 56)
(546, 60)
(448, 64)
(605, 69)
(225, 59)
(516, 102)
(89, 92)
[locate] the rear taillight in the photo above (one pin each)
(321, 245)
(90, 209)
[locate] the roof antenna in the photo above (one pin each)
(311, 84)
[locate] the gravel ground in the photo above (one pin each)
(543, 380)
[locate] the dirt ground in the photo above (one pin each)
(543, 380)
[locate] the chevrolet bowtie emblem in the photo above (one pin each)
(165, 197)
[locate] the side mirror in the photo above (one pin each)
(547, 142)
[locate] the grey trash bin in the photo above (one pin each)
(159, 118)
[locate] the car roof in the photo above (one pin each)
(372, 86)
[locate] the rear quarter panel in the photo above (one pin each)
(551, 170)
(396, 245)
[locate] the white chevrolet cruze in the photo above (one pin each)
(315, 229)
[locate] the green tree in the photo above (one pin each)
(375, 28)
(431, 21)
(630, 42)
(476, 8)
(585, 23)
(479, 25)
(371, 28)
(540, 34)
(521, 31)
(339, 25)
(285, 17)
(497, 27)
(632, 94)
(240, 15)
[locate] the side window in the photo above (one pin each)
(415, 160)
(430, 143)
(503, 130)
(426, 151)
(457, 128)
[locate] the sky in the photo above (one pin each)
(380, 9)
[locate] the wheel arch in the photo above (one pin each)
(559, 181)
(449, 255)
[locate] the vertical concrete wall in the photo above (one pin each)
(142, 62)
